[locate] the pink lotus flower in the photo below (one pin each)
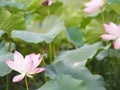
(113, 34)
(26, 66)
(47, 2)
(93, 6)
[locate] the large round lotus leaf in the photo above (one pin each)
(4, 55)
(64, 82)
(4, 69)
(79, 55)
(77, 71)
(47, 31)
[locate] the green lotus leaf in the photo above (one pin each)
(47, 31)
(64, 82)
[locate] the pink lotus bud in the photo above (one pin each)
(93, 6)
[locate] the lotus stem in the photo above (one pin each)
(26, 83)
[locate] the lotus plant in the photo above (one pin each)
(47, 3)
(25, 66)
(113, 33)
(93, 6)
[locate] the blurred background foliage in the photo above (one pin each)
(68, 39)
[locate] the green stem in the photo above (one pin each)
(54, 50)
(117, 61)
(111, 74)
(44, 77)
(9, 47)
(102, 16)
(7, 77)
(43, 64)
(48, 11)
(117, 65)
(50, 53)
(43, 60)
(26, 83)
(7, 82)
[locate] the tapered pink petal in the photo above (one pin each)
(115, 28)
(18, 77)
(18, 58)
(12, 65)
(37, 63)
(37, 70)
(117, 44)
(37, 58)
(108, 37)
(112, 29)
(28, 59)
